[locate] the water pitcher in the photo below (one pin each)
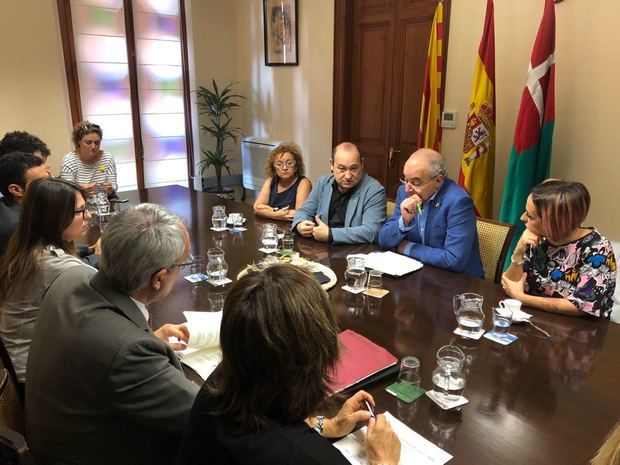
(468, 312)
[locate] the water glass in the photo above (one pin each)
(375, 281)
(198, 265)
(237, 220)
(409, 371)
(502, 319)
(287, 241)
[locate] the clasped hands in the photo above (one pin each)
(285, 213)
(317, 229)
(382, 444)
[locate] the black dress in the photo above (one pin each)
(287, 198)
(214, 440)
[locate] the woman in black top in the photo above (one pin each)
(286, 188)
(278, 338)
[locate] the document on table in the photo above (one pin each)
(391, 263)
(203, 352)
(415, 449)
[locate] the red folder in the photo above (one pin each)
(360, 360)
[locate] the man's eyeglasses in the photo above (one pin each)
(86, 127)
(288, 164)
(190, 261)
(415, 182)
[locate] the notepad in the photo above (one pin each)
(361, 361)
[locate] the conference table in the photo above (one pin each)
(538, 400)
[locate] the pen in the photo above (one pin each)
(419, 209)
(370, 409)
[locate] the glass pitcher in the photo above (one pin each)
(269, 237)
(468, 312)
(449, 377)
(217, 268)
(219, 217)
(355, 274)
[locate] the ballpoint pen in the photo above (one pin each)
(419, 209)
(370, 409)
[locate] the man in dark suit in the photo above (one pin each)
(102, 388)
(433, 219)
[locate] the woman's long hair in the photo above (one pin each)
(279, 337)
(47, 210)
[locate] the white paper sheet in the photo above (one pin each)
(415, 449)
(391, 263)
(203, 352)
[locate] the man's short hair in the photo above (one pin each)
(13, 168)
(138, 243)
(22, 141)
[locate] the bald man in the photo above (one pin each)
(346, 207)
(433, 219)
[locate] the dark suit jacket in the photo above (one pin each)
(450, 235)
(100, 387)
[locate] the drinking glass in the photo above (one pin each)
(409, 371)
(502, 319)
(269, 238)
(237, 220)
(375, 281)
(288, 241)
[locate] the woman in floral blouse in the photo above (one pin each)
(557, 265)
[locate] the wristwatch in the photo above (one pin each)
(319, 424)
(514, 261)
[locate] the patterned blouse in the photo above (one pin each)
(582, 271)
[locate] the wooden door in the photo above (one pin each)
(379, 64)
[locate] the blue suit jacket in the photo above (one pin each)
(451, 237)
(365, 211)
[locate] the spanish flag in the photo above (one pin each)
(430, 113)
(478, 164)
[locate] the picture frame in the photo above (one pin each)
(280, 32)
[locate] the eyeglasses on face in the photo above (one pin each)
(288, 164)
(415, 182)
(83, 210)
(190, 261)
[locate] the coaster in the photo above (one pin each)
(196, 277)
(353, 291)
(264, 250)
(218, 229)
(503, 339)
(469, 335)
(374, 292)
(219, 282)
(445, 404)
(405, 391)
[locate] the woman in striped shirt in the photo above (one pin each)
(89, 166)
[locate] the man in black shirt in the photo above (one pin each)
(346, 207)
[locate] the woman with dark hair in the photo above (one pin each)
(53, 215)
(89, 166)
(558, 265)
(286, 188)
(279, 339)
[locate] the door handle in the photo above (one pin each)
(391, 153)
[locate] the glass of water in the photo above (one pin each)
(409, 371)
(287, 241)
(502, 319)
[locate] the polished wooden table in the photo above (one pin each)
(537, 401)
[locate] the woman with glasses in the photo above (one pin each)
(279, 339)
(558, 265)
(89, 166)
(52, 217)
(286, 187)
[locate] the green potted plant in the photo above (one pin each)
(216, 104)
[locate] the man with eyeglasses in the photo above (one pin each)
(433, 220)
(102, 387)
(346, 207)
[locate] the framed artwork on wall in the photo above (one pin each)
(280, 32)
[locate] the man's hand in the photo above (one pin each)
(401, 247)
(179, 331)
(321, 231)
(305, 228)
(409, 208)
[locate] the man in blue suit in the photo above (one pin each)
(433, 219)
(346, 207)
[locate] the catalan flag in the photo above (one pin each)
(478, 164)
(530, 157)
(430, 113)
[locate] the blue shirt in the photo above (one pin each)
(421, 224)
